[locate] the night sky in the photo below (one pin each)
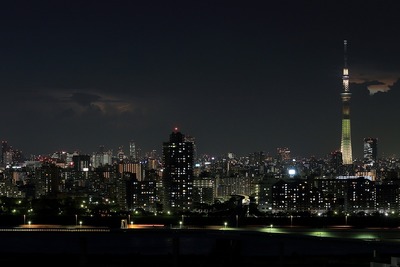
(239, 76)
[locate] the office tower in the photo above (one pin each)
(132, 151)
(81, 162)
(128, 167)
(102, 157)
(370, 149)
(177, 176)
(345, 146)
(144, 195)
(203, 190)
(336, 160)
(152, 154)
(257, 162)
(4, 149)
(283, 154)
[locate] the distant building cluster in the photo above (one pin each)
(177, 181)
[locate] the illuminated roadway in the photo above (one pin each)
(244, 243)
(341, 232)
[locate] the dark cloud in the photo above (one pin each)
(375, 116)
(369, 83)
(84, 99)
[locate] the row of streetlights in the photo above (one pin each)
(76, 221)
(180, 222)
(29, 222)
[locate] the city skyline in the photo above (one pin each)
(239, 77)
(134, 152)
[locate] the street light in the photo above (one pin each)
(180, 224)
(225, 224)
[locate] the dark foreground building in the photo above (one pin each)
(177, 177)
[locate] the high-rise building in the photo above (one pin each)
(370, 149)
(4, 150)
(177, 174)
(345, 146)
(132, 151)
(136, 168)
(283, 154)
(81, 162)
(121, 154)
(336, 160)
(102, 157)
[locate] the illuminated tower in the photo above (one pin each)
(345, 146)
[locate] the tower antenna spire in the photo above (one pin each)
(345, 53)
(345, 69)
